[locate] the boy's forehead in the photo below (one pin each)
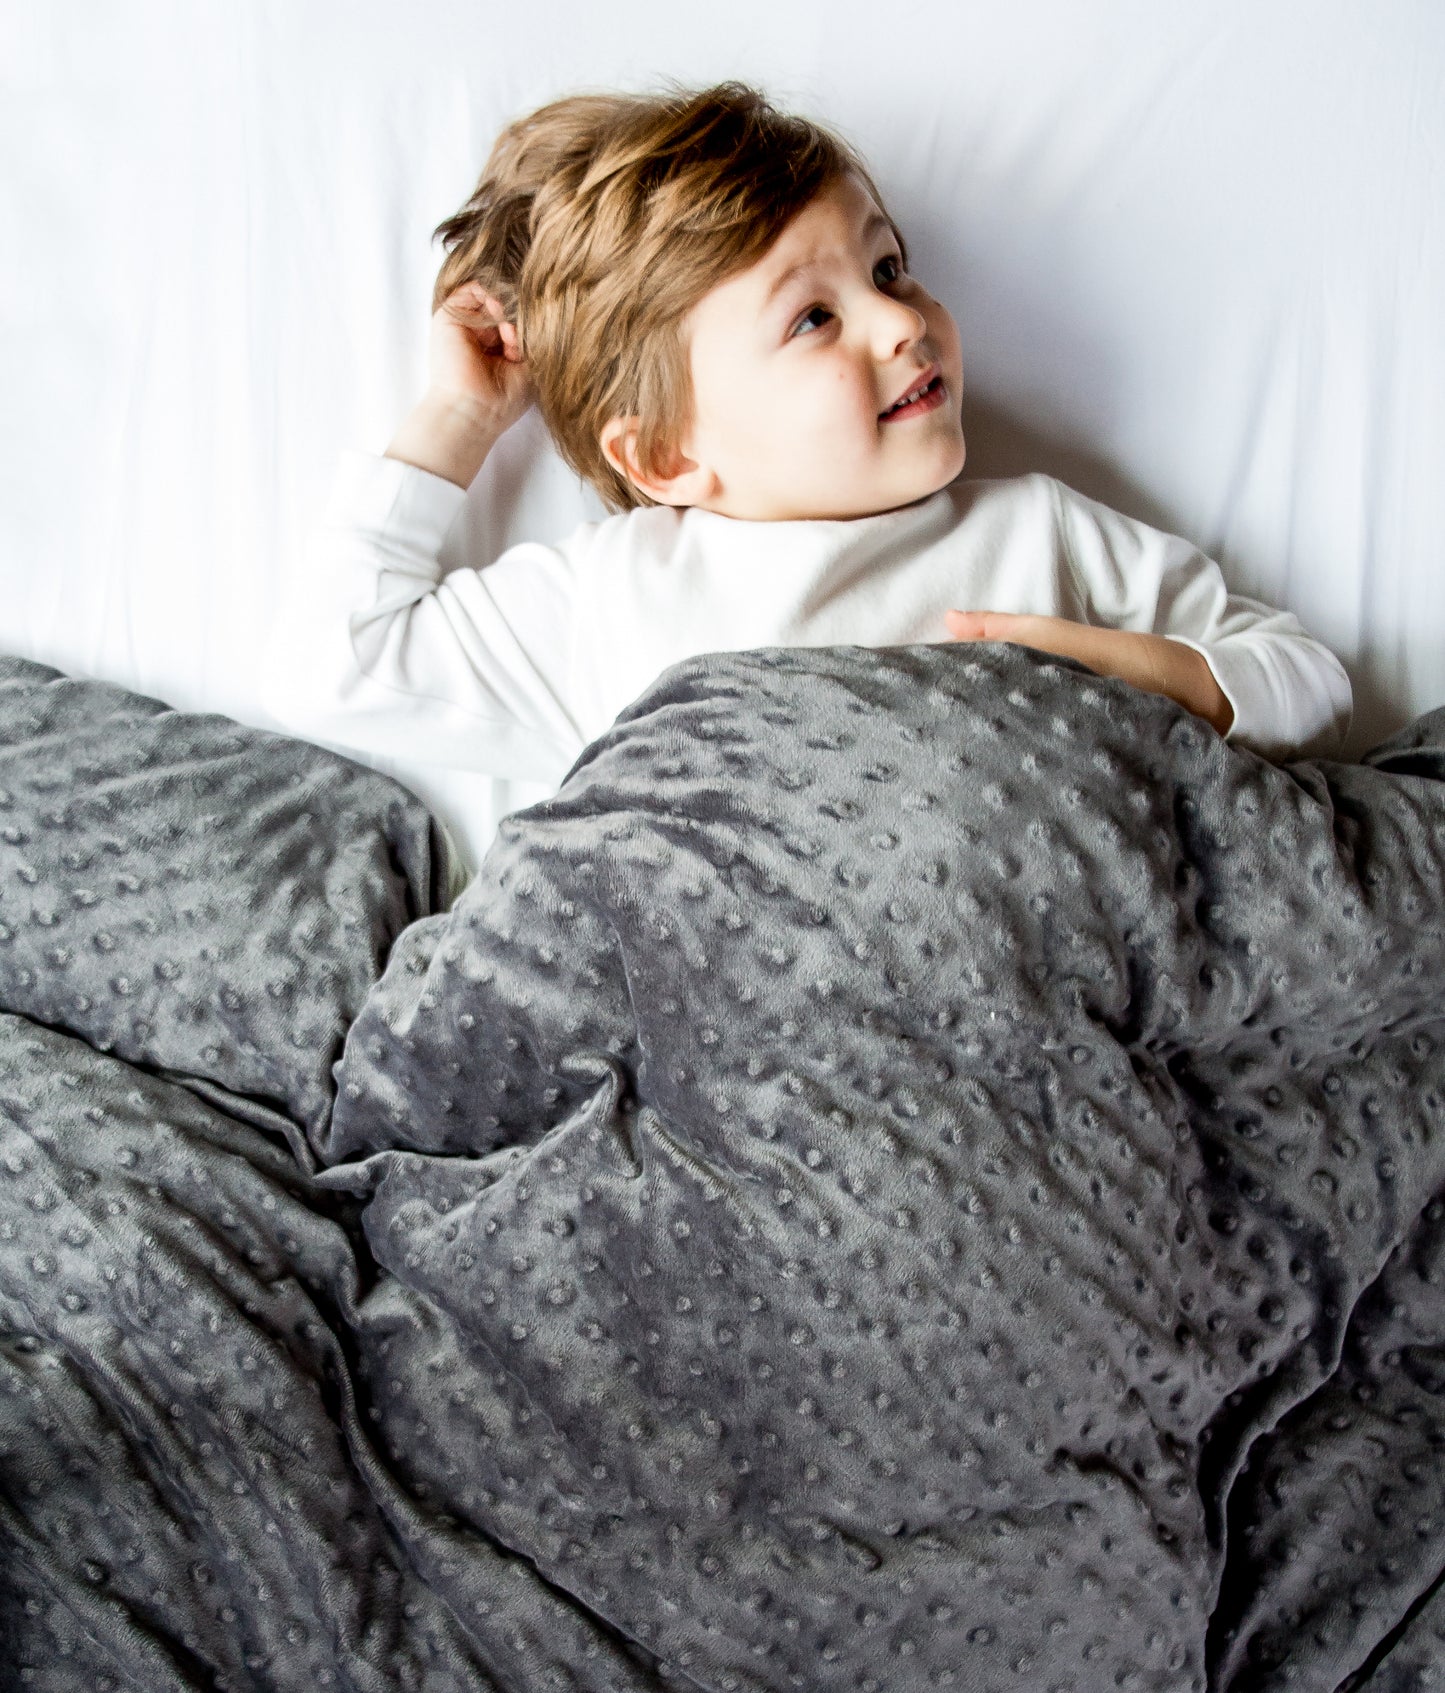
(845, 203)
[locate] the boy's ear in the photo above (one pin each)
(686, 483)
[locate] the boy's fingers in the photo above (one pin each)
(471, 296)
(981, 625)
(1100, 649)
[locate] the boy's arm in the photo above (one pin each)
(1154, 663)
(1158, 614)
(375, 647)
(448, 435)
(479, 385)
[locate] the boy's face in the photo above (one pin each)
(791, 377)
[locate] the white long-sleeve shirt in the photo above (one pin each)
(511, 668)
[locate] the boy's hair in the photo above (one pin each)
(600, 220)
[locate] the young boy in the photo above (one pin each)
(712, 309)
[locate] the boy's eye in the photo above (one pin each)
(892, 259)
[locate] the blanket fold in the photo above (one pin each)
(917, 1167)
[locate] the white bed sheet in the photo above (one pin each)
(1196, 254)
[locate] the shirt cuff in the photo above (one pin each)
(370, 491)
(1271, 717)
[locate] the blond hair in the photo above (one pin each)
(600, 220)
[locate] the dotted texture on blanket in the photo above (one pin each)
(189, 1497)
(906, 1127)
(194, 894)
(917, 1169)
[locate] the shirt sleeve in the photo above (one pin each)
(377, 648)
(1290, 694)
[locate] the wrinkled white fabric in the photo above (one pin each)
(511, 668)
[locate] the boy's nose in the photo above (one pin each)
(899, 326)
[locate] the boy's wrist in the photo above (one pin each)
(448, 434)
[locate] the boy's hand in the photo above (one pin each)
(474, 359)
(1151, 662)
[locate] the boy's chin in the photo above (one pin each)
(946, 475)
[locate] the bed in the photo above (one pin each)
(758, 1216)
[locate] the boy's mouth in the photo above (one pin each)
(921, 397)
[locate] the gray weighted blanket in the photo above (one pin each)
(917, 1168)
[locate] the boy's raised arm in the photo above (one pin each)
(479, 386)
(442, 433)
(376, 648)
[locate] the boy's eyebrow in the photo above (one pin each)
(875, 222)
